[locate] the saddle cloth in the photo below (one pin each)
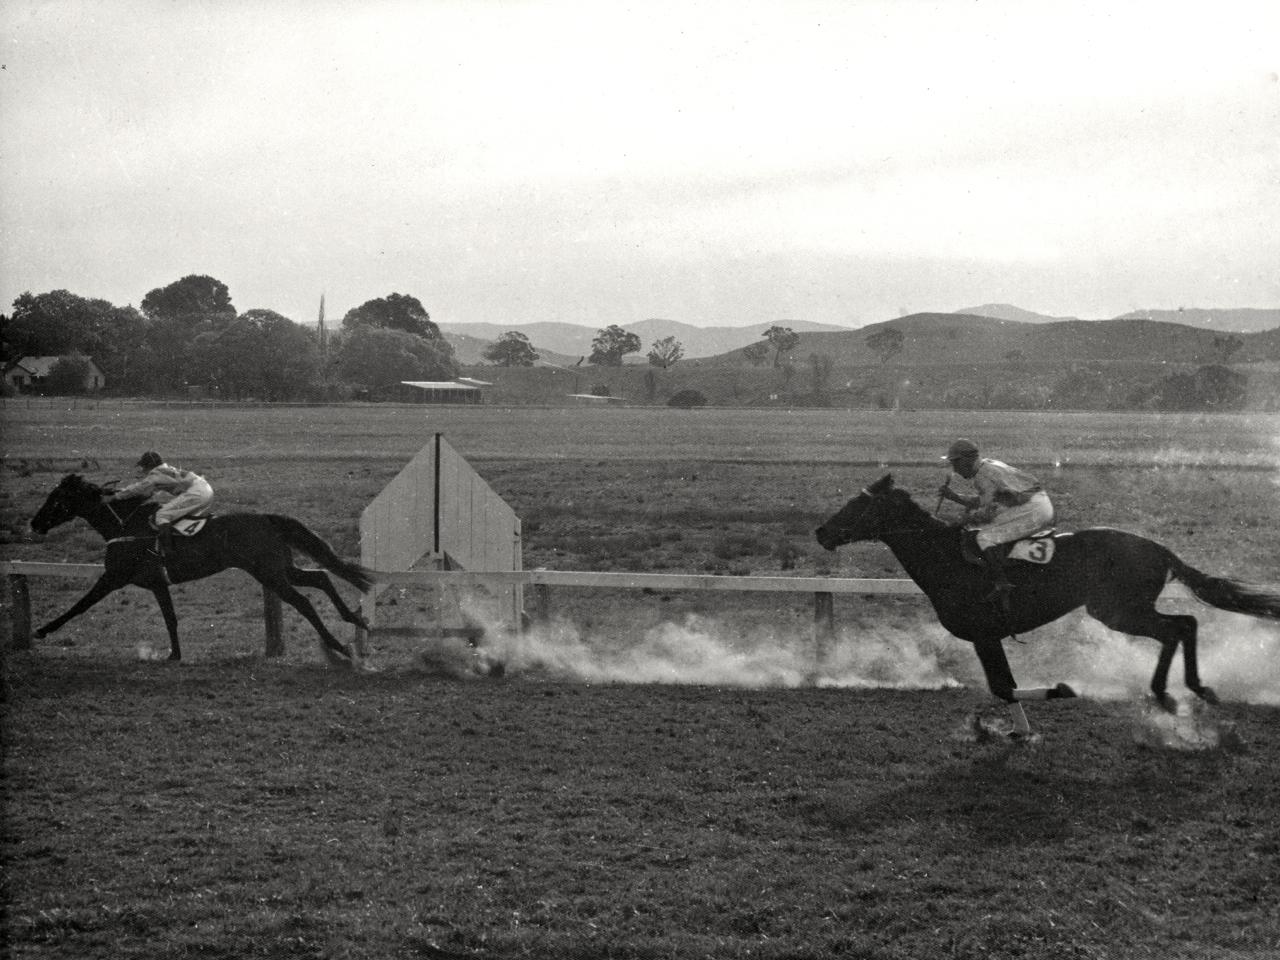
(1037, 548)
(189, 526)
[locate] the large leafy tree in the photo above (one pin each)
(512, 349)
(612, 344)
(69, 376)
(394, 312)
(192, 301)
(379, 359)
(666, 353)
(179, 313)
(782, 340)
(259, 354)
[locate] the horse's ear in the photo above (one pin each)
(883, 485)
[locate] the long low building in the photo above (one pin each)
(459, 390)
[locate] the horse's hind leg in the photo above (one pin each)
(1170, 629)
(278, 582)
(319, 580)
(1191, 664)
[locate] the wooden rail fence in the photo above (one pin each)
(823, 589)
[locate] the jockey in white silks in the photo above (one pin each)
(184, 493)
(1010, 504)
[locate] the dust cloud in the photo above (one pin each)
(1239, 657)
(701, 650)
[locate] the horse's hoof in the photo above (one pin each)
(1062, 691)
(1208, 696)
(1166, 703)
(175, 657)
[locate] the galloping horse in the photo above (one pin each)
(261, 544)
(1116, 576)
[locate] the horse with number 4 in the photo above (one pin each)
(1116, 576)
(261, 544)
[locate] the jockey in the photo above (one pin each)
(1010, 504)
(185, 492)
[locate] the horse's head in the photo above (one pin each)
(73, 497)
(878, 509)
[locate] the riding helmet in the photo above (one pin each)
(962, 448)
(150, 460)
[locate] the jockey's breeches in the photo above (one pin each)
(195, 497)
(1013, 523)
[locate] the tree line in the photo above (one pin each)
(189, 336)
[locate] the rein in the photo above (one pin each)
(123, 522)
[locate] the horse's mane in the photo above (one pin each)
(74, 480)
(884, 487)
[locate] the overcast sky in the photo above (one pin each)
(596, 163)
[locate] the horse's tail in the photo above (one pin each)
(296, 535)
(1226, 594)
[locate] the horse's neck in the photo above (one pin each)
(929, 555)
(104, 520)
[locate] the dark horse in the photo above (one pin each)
(261, 544)
(1115, 576)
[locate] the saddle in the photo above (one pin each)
(1037, 548)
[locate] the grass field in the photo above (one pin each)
(655, 777)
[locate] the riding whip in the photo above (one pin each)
(946, 484)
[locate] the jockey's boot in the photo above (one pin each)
(164, 539)
(1001, 587)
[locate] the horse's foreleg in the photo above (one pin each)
(995, 666)
(104, 586)
(165, 602)
(1021, 727)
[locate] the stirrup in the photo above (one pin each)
(999, 592)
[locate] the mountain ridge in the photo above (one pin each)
(574, 340)
(1222, 319)
(1144, 334)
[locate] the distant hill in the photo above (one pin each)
(470, 351)
(943, 338)
(574, 340)
(1007, 311)
(1236, 320)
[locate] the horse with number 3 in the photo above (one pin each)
(1116, 576)
(261, 544)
